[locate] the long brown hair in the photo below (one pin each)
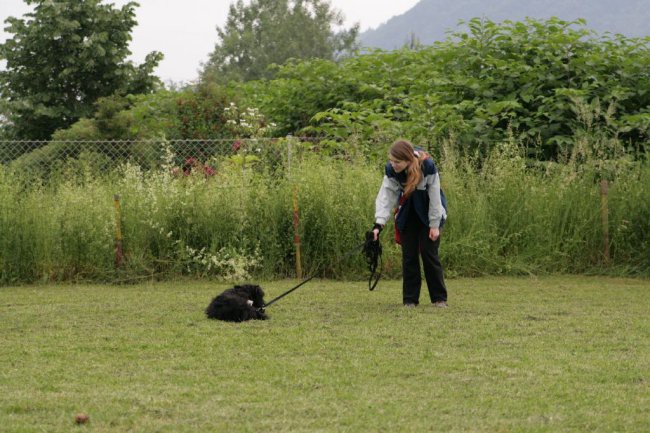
(402, 150)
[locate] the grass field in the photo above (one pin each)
(551, 354)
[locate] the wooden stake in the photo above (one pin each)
(604, 217)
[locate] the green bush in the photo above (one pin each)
(479, 86)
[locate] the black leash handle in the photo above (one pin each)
(372, 253)
(374, 275)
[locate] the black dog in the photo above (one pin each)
(238, 304)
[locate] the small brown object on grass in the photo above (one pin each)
(81, 418)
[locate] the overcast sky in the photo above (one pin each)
(185, 30)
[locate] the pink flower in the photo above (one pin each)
(236, 145)
(188, 165)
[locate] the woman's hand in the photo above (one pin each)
(376, 229)
(434, 234)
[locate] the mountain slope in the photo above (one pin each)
(429, 20)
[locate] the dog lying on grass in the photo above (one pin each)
(238, 304)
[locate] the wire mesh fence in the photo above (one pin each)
(122, 210)
(182, 157)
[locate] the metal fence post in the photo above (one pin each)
(296, 232)
(296, 212)
(119, 254)
(289, 139)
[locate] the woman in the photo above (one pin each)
(412, 181)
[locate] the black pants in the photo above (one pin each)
(416, 243)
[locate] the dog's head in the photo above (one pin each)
(254, 293)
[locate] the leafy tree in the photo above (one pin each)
(194, 113)
(521, 79)
(270, 32)
(63, 57)
(197, 113)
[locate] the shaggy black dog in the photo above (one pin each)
(238, 304)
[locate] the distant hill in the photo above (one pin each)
(429, 20)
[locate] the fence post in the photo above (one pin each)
(119, 255)
(296, 212)
(289, 137)
(296, 232)
(604, 217)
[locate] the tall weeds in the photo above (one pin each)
(506, 216)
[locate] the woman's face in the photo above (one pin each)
(398, 165)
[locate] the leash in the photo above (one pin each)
(372, 251)
(289, 291)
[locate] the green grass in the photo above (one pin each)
(552, 354)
